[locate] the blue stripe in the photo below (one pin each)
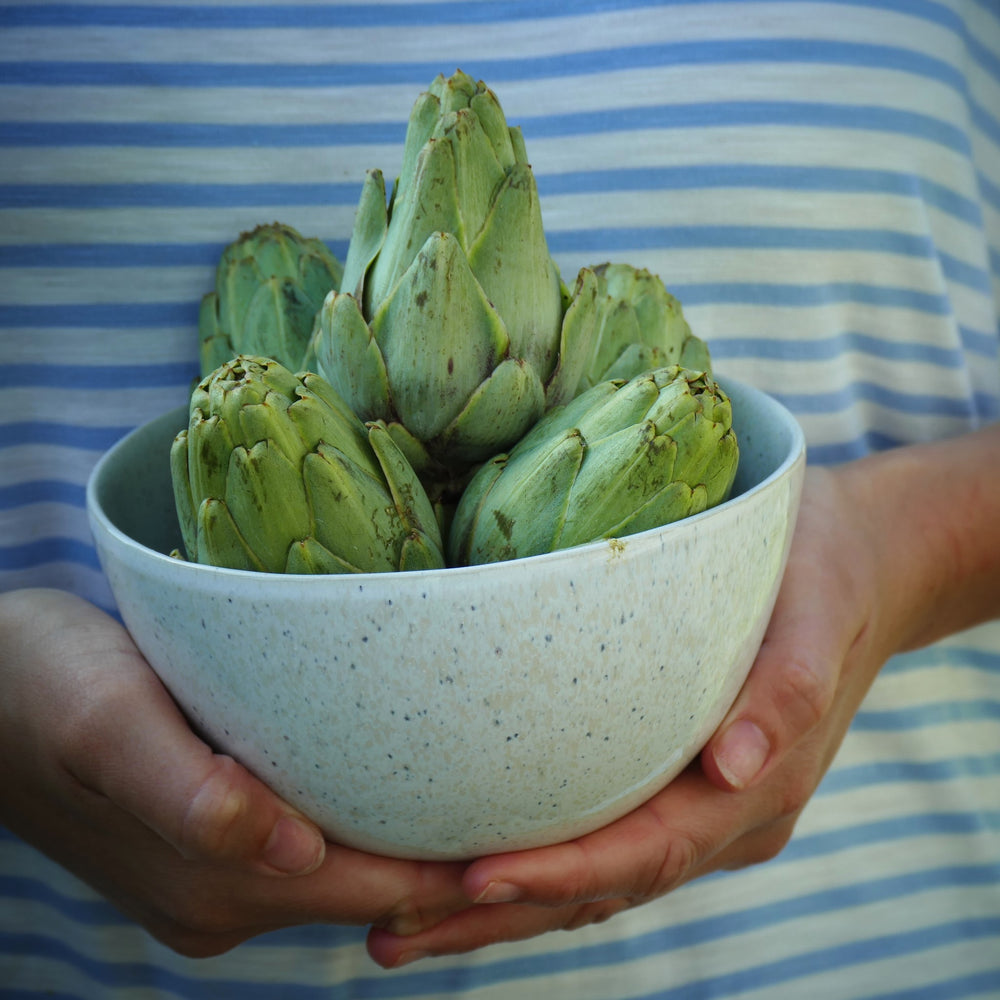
(99, 316)
(835, 346)
(909, 827)
(64, 435)
(989, 191)
(808, 296)
(617, 120)
(43, 491)
(174, 195)
(921, 716)
(934, 657)
(845, 779)
(693, 177)
(57, 376)
(48, 550)
(811, 51)
(918, 404)
(769, 176)
(69, 255)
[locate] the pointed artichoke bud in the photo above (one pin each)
(640, 326)
(622, 457)
(275, 473)
(269, 285)
(461, 334)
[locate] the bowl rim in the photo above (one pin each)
(99, 518)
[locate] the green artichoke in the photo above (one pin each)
(640, 326)
(622, 457)
(452, 324)
(269, 285)
(275, 473)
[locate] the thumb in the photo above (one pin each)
(793, 682)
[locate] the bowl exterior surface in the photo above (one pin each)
(455, 713)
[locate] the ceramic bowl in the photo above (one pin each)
(460, 712)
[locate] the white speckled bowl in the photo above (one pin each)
(460, 712)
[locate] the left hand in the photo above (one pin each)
(737, 805)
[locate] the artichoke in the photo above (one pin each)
(622, 457)
(274, 473)
(640, 326)
(452, 324)
(269, 286)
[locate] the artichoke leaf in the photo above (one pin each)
(354, 516)
(310, 415)
(279, 316)
(504, 407)
(349, 358)
(427, 205)
(673, 503)
(180, 478)
(576, 338)
(412, 503)
(268, 421)
(214, 346)
(437, 323)
(265, 497)
(485, 106)
(478, 173)
(370, 225)
(618, 473)
(511, 261)
(219, 540)
(306, 555)
(209, 447)
(486, 530)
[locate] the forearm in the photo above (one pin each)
(935, 521)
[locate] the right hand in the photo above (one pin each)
(103, 774)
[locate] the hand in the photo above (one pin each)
(103, 774)
(856, 590)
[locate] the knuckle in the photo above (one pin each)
(192, 922)
(765, 846)
(793, 794)
(212, 824)
(678, 859)
(806, 692)
(594, 913)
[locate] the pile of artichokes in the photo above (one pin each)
(443, 397)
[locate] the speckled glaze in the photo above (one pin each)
(460, 712)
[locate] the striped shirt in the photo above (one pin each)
(818, 181)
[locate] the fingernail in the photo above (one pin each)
(741, 752)
(410, 956)
(294, 847)
(498, 892)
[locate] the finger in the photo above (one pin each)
(652, 850)
(481, 926)
(126, 740)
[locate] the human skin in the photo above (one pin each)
(105, 776)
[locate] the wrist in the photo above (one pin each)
(932, 514)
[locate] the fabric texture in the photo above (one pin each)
(819, 184)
